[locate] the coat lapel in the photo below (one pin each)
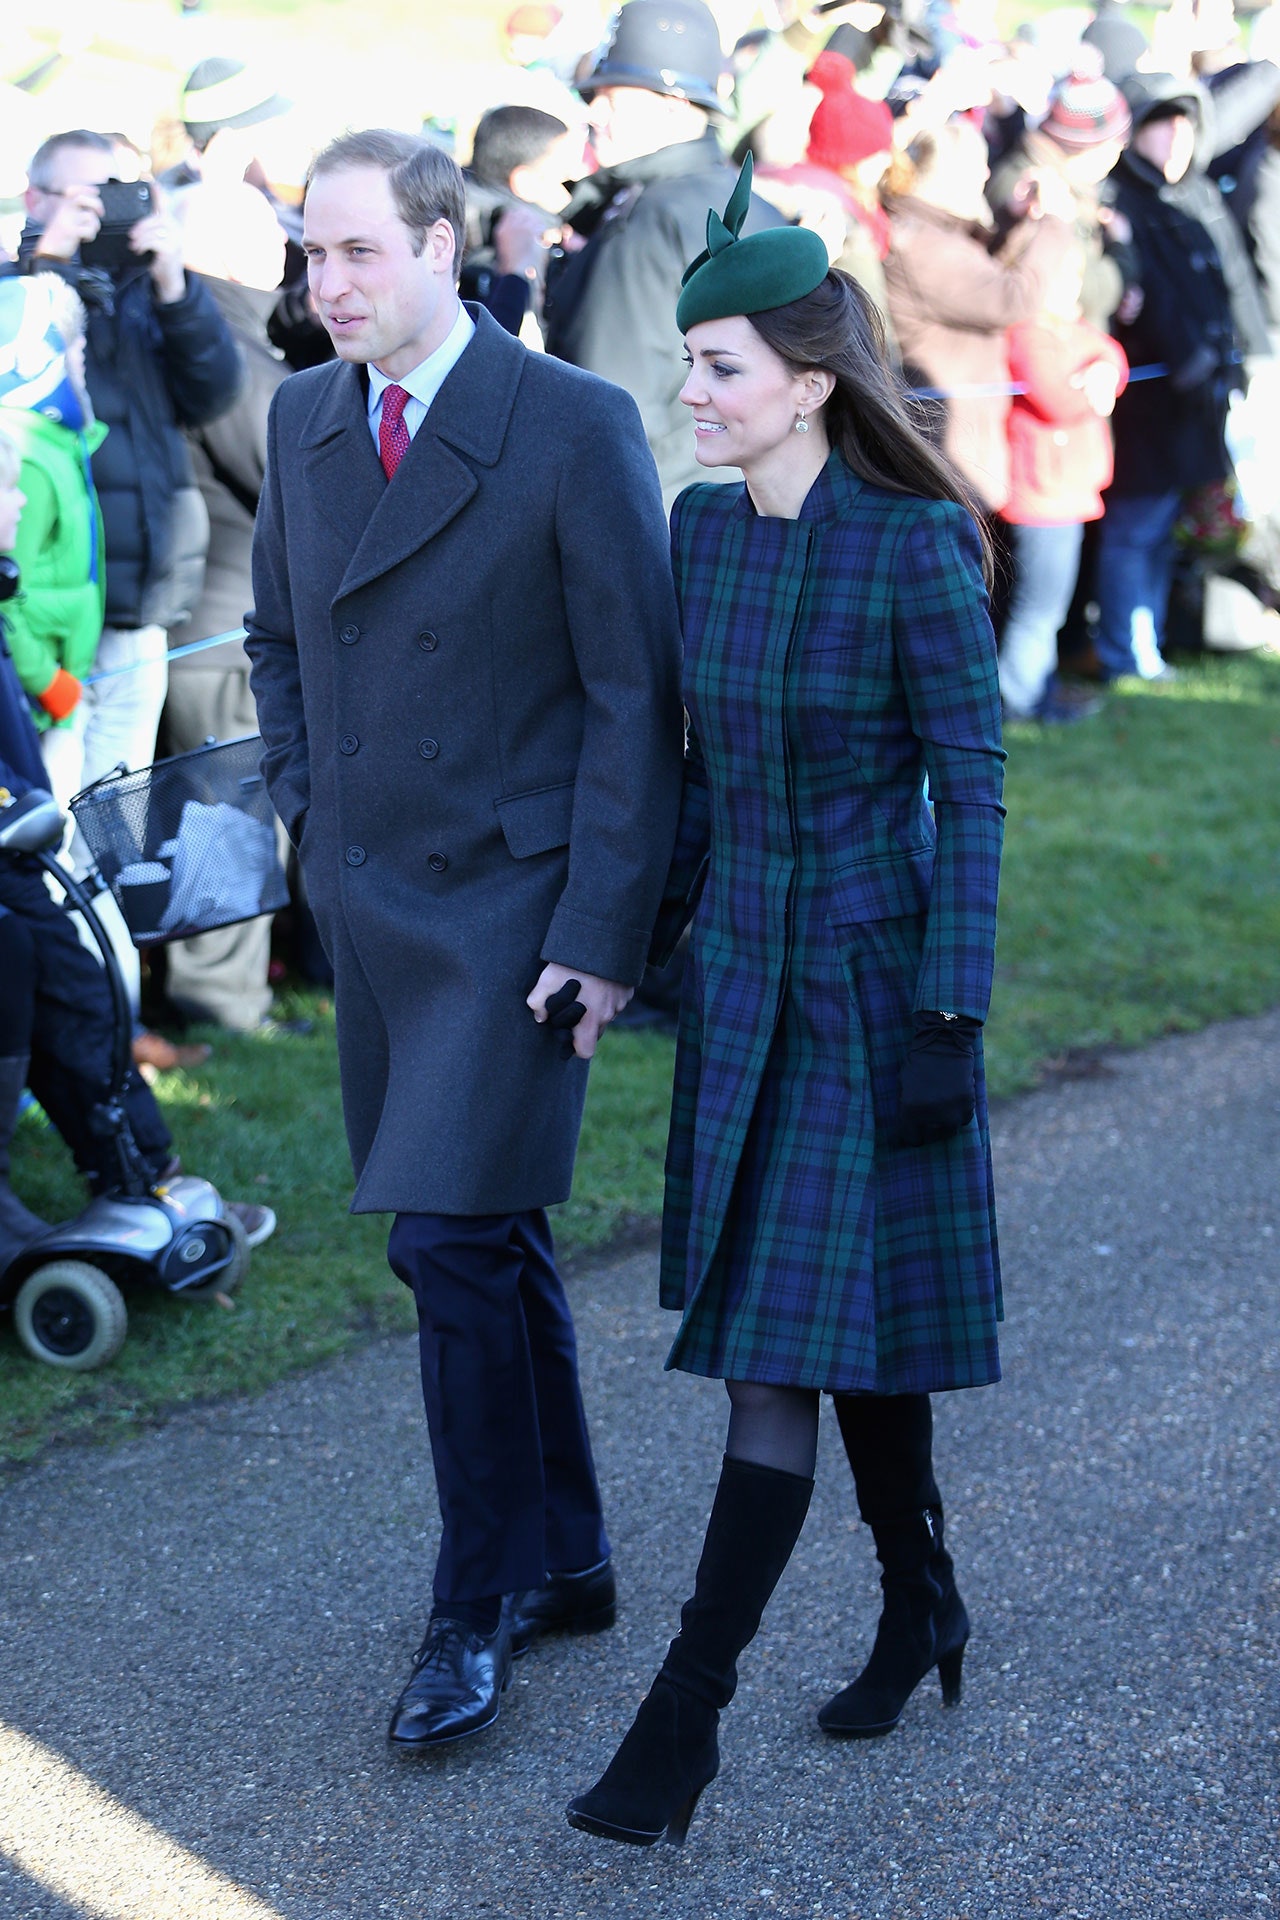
(381, 522)
(339, 463)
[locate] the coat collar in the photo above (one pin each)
(594, 191)
(381, 523)
(828, 499)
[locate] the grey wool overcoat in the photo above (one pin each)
(468, 687)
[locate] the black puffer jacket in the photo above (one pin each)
(151, 371)
(1201, 312)
(611, 307)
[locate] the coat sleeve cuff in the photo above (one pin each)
(61, 695)
(609, 952)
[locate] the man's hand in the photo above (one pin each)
(77, 217)
(603, 1000)
(520, 241)
(1050, 198)
(160, 235)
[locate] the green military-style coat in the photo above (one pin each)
(832, 662)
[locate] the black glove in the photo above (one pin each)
(937, 1080)
(564, 1011)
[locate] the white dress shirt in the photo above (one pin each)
(425, 381)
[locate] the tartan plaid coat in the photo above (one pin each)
(831, 661)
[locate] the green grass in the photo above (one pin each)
(1140, 892)
(1141, 896)
(262, 1120)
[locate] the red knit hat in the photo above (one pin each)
(1084, 107)
(845, 127)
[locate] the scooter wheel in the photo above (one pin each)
(233, 1273)
(70, 1315)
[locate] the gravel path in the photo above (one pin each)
(209, 1622)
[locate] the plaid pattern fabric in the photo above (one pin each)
(830, 662)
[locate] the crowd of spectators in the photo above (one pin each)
(1072, 230)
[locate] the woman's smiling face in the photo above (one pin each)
(744, 398)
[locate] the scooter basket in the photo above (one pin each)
(188, 844)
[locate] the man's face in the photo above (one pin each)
(1091, 165)
(381, 302)
(1169, 143)
(541, 181)
(627, 122)
(71, 167)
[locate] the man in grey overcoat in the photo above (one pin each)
(466, 662)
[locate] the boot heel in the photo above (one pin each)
(678, 1824)
(949, 1674)
(598, 1621)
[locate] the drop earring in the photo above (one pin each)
(802, 425)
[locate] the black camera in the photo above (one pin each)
(124, 203)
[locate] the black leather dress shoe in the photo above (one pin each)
(583, 1602)
(459, 1677)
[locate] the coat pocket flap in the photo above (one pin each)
(881, 889)
(536, 822)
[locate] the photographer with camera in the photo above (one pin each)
(159, 357)
(518, 183)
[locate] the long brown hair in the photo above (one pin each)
(870, 416)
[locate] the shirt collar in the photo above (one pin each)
(425, 380)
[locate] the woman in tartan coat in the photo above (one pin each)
(829, 1223)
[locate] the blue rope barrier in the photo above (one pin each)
(175, 653)
(1005, 389)
(997, 390)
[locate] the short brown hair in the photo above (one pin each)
(426, 184)
(40, 171)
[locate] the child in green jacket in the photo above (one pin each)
(55, 621)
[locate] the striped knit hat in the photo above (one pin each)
(1084, 107)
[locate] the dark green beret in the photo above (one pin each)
(769, 269)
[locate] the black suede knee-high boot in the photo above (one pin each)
(651, 1786)
(923, 1623)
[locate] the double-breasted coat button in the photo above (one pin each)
(437, 862)
(349, 636)
(348, 744)
(428, 749)
(356, 856)
(428, 642)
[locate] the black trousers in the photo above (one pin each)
(60, 996)
(514, 1472)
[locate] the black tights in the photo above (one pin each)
(887, 1437)
(773, 1426)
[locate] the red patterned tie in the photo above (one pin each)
(393, 435)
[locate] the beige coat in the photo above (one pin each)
(952, 302)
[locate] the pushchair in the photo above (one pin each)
(184, 846)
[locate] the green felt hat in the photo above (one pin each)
(736, 275)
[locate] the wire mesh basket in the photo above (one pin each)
(188, 844)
